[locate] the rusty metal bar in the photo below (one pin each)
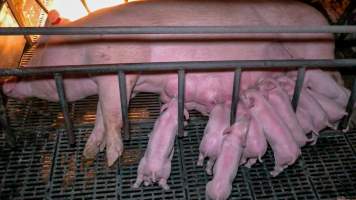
(181, 91)
(64, 106)
(173, 30)
(124, 104)
(235, 95)
(173, 66)
(298, 87)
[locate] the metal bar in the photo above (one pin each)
(4, 122)
(173, 30)
(181, 90)
(64, 106)
(124, 105)
(173, 66)
(43, 7)
(349, 107)
(235, 95)
(85, 5)
(298, 87)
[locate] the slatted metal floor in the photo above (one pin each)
(43, 166)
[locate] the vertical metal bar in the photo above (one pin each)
(235, 95)
(298, 87)
(123, 100)
(4, 122)
(350, 106)
(64, 106)
(181, 91)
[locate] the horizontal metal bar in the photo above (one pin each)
(173, 66)
(173, 30)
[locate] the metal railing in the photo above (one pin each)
(180, 67)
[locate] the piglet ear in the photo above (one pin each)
(267, 84)
(164, 107)
(227, 131)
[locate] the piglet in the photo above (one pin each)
(334, 110)
(227, 164)
(213, 135)
(280, 100)
(256, 143)
(156, 163)
(323, 83)
(285, 149)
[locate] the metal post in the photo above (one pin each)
(235, 95)
(123, 100)
(64, 106)
(43, 7)
(181, 91)
(298, 87)
(4, 122)
(350, 105)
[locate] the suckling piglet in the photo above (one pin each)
(256, 143)
(155, 166)
(210, 145)
(285, 149)
(227, 164)
(280, 100)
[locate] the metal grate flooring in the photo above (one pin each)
(43, 166)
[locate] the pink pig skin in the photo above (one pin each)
(108, 49)
(280, 100)
(256, 143)
(285, 149)
(334, 110)
(227, 164)
(323, 83)
(210, 145)
(156, 163)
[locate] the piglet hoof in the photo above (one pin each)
(209, 171)
(163, 184)
(276, 171)
(113, 151)
(200, 163)
(135, 186)
(147, 183)
(250, 162)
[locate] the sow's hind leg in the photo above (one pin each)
(109, 102)
(96, 140)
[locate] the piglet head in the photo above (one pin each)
(287, 84)
(239, 129)
(249, 98)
